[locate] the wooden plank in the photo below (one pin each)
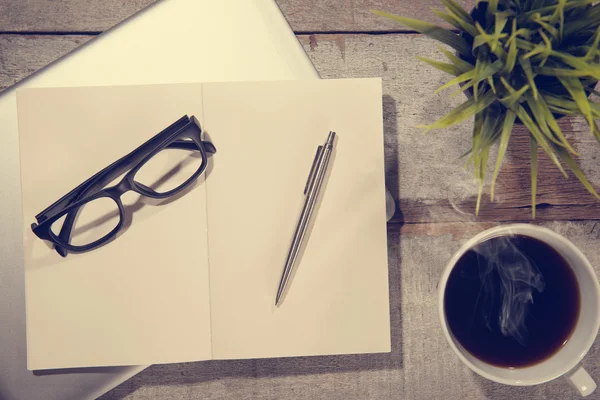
(420, 366)
(303, 15)
(423, 171)
(66, 15)
(559, 198)
(20, 56)
(355, 15)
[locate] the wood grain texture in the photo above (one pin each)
(66, 15)
(558, 198)
(303, 15)
(421, 365)
(355, 15)
(21, 55)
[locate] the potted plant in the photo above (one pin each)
(527, 62)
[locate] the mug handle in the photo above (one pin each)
(581, 380)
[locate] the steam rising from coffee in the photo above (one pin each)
(519, 277)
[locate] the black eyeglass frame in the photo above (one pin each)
(185, 134)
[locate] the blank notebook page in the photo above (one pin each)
(143, 298)
(267, 136)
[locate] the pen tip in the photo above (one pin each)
(279, 295)
(278, 299)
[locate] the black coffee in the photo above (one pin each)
(512, 301)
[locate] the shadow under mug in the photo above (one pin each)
(566, 361)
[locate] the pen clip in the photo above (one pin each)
(313, 169)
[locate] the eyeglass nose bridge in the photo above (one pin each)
(121, 188)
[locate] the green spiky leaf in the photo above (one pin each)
(475, 76)
(492, 8)
(587, 20)
(456, 21)
(565, 72)
(526, 66)
(483, 161)
(593, 49)
(578, 94)
(511, 59)
(553, 124)
(541, 118)
(507, 127)
(514, 96)
(568, 105)
(457, 61)
(445, 67)
(464, 111)
(539, 137)
(455, 8)
(537, 18)
(572, 164)
(459, 79)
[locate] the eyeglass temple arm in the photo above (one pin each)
(139, 153)
(102, 178)
(101, 181)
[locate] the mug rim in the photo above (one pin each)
(488, 234)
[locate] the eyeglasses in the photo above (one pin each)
(92, 214)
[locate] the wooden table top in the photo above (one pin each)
(436, 198)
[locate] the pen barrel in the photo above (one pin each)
(320, 176)
(305, 216)
(311, 199)
(330, 140)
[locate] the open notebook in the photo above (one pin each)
(195, 279)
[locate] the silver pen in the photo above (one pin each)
(311, 193)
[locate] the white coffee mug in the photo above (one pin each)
(566, 361)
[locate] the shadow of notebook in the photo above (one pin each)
(201, 40)
(196, 279)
